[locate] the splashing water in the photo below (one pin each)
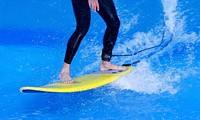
(169, 8)
(143, 80)
(152, 79)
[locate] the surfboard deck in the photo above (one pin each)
(85, 82)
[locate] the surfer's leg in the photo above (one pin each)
(108, 13)
(82, 15)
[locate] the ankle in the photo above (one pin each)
(105, 62)
(66, 67)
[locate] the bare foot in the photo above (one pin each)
(64, 74)
(107, 66)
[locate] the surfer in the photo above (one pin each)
(106, 9)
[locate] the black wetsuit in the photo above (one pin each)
(82, 13)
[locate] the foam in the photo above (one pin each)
(169, 8)
(144, 80)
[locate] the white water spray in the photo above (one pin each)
(143, 78)
(170, 13)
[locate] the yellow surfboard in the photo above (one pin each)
(85, 82)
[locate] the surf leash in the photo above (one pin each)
(162, 45)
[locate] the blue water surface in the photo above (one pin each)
(164, 85)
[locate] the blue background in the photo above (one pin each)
(164, 85)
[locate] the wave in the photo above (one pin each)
(164, 69)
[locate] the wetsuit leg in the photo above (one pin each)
(108, 13)
(83, 16)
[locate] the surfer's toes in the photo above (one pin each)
(68, 81)
(121, 68)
